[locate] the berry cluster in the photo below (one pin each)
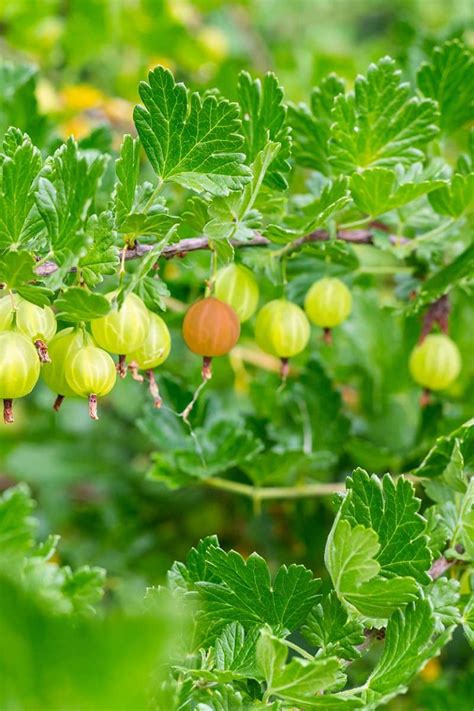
(282, 328)
(71, 361)
(76, 362)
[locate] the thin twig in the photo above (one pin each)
(194, 244)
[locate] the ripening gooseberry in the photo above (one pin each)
(328, 302)
(91, 373)
(61, 349)
(19, 369)
(124, 329)
(435, 363)
(210, 328)
(37, 323)
(237, 286)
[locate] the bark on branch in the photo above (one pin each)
(193, 244)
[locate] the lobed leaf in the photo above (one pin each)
(380, 123)
(189, 140)
(448, 78)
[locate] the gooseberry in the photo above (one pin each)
(210, 328)
(61, 349)
(152, 353)
(91, 373)
(37, 323)
(19, 369)
(328, 303)
(7, 311)
(123, 330)
(435, 363)
(237, 286)
(282, 329)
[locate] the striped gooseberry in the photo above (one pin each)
(19, 369)
(37, 323)
(210, 328)
(91, 373)
(436, 362)
(123, 330)
(152, 353)
(328, 303)
(283, 330)
(61, 349)
(237, 286)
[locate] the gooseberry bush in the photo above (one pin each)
(338, 244)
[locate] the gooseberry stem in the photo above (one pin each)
(58, 402)
(42, 350)
(206, 371)
(133, 368)
(284, 369)
(425, 397)
(153, 387)
(93, 407)
(327, 336)
(8, 411)
(122, 366)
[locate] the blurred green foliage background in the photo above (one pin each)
(358, 405)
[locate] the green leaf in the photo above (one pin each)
(189, 140)
(380, 123)
(330, 628)
(247, 593)
(448, 79)
(182, 577)
(409, 644)
(127, 167)
(300, 680)
(378, 190)
(19, 106)
(65, 192)
(304, 220)
(18, 177)
(235, 650)
(155, 223)
(153, 291)
(351, 561)
(350, 556)
(16, 268)
(36, 294)
(129, 649)
(311, 126)
(444, 597)
(468, 621)
(455, 199)
(101, 258)
(17, 527)
(440, 455)
(84, 587)
(444, 280)
(391, 510)
(234, 217)
(77, 304)
(264, 120)
(224, 445)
